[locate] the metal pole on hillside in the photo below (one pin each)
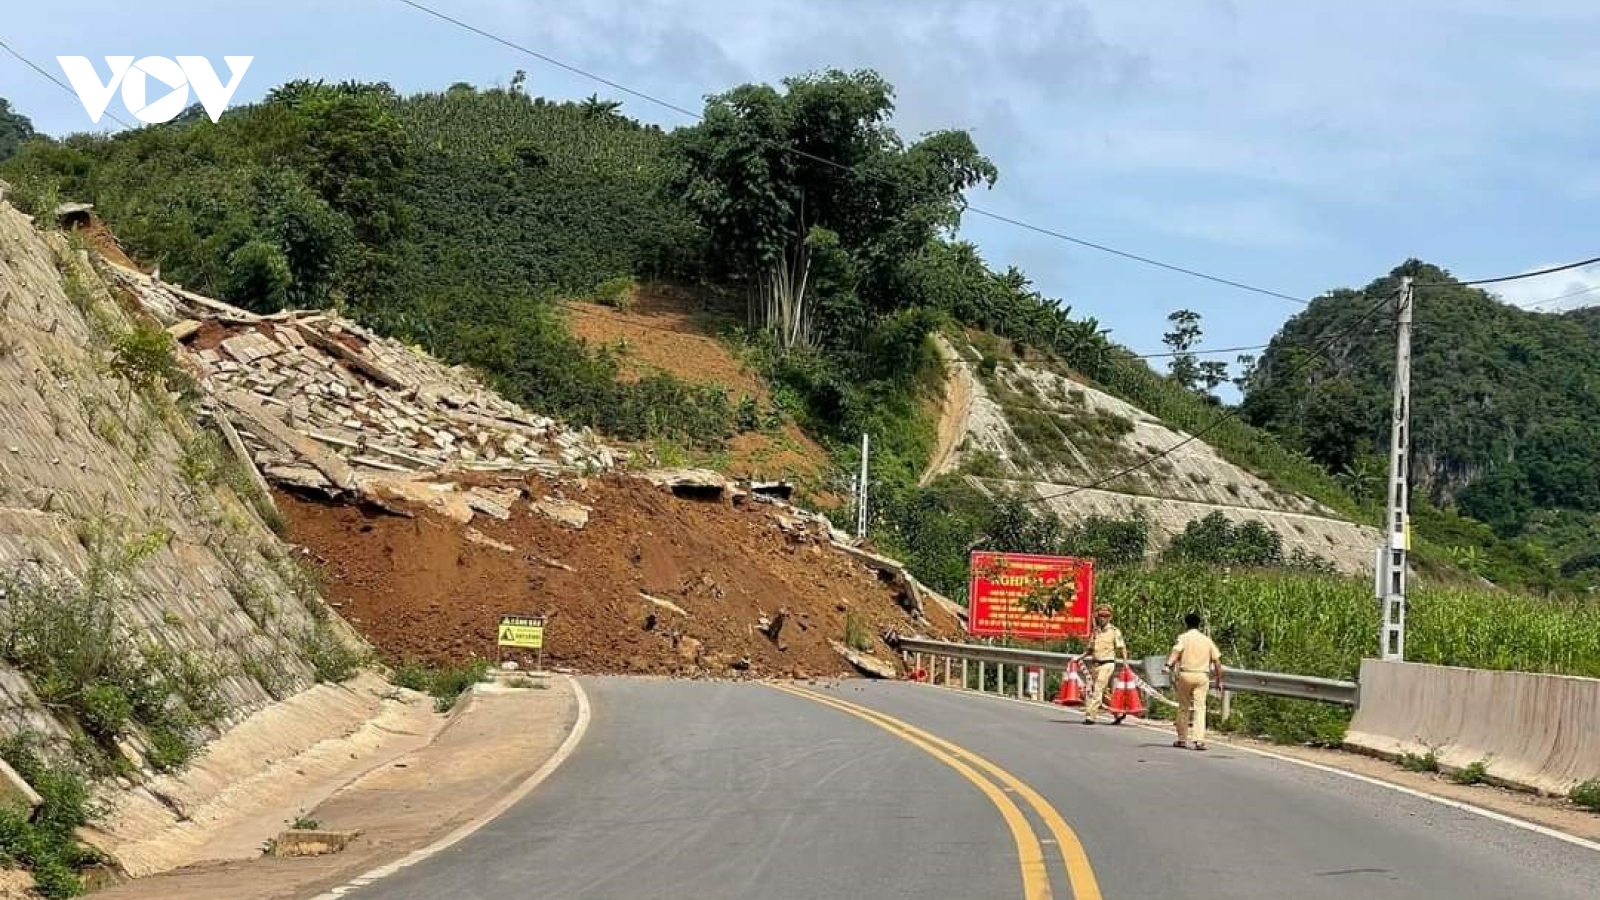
(1398, 529)
(861, 496)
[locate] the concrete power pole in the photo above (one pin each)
(861, 496)
(1398, 528)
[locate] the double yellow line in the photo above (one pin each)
(1035, 877)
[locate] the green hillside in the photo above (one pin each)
(1505, 421)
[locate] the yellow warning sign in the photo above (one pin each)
(522, 631)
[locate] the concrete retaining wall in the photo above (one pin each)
(1540, 732)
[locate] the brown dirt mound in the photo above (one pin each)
(662, 333)
(418, 588)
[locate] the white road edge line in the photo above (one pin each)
(494, 812)
(1356, 776)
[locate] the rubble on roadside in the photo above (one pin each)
(322, 404)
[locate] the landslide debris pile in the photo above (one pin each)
(433, 506)
(720, 582)
(324, 404)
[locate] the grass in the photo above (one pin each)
(445, 685)
(855, 634)
(302, 823)
(1428, 762)
(1474, 773)
(1587, 795)
(331, 658)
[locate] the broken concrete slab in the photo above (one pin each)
(298, 842)
(439, 497)
(250, 347)
(298, 476)
(182, 331)
(868, 665)
(664, 604)
(478, 537)
(491, 502)
(567, 512)
(910, 589)
(696, 484)
(271, 430)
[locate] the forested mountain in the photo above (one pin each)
(1505, 407)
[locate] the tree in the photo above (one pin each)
(595, 108)
(779, 179)
(1213, 373)
(1363, 479)
(1184, 335)
(1247, 371)
(15, 128)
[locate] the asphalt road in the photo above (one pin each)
(719, 791)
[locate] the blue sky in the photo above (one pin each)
(1299, 146)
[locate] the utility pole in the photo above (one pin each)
(1392, 589)
(861, 497)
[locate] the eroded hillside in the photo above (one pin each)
(1033, 428)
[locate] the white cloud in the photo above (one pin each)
(1558, 291)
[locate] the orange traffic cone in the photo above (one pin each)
(1125, 695)
(1071, 692)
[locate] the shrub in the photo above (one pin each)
(446, 685)
(47, 846)
(1587, 794)
(331, 658)
(616, 292)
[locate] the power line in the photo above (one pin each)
(999, 217)
(1504, 278)
(1578, 293)
(1215, 424)
(54, 80)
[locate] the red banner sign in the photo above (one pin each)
(1001, 580)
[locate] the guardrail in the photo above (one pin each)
(928, 654)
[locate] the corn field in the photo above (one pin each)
(1319, 625)
(1324, 625)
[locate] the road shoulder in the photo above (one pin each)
(1552, 813)
(494, 749)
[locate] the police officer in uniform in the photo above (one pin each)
(1198, 663)
(1104, 645)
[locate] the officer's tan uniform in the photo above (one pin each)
(1103, 651)
(1195, 653)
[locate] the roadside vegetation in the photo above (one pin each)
(445, 685)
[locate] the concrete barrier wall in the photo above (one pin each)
(1540, 732)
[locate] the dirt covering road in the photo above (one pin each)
(427, 588)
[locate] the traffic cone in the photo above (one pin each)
(1125, 695)
(1071, 692)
